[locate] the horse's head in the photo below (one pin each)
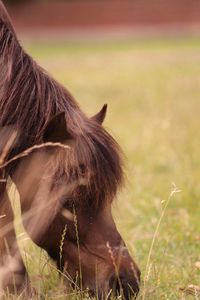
(66, 196)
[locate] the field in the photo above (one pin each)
(152, 88)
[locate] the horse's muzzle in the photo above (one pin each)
(125, 284)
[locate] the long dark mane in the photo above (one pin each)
(29, 98)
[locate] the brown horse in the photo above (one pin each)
(67, 179)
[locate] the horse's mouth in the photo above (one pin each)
(110, 289)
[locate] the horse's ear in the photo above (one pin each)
(56, 130)
(100, 116)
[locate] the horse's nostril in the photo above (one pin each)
(125, 285)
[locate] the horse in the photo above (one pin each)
(67, 169)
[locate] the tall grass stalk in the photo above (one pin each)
(149, 263)
(79, 256)
(62, 244)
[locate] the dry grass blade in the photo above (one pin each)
(8, 146)
(191, 289)
(197, 264)
(31, 149)
(78, 246)
(62, 244)
(149, 263)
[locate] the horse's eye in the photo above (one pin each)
(69, 210)
(82, 169)
(69, 204)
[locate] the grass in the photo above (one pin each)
(152, 88)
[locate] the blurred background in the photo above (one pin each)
(142, 57)
(109, 17)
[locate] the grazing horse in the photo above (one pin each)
(67, 169)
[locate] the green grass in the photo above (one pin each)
(152, 88)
